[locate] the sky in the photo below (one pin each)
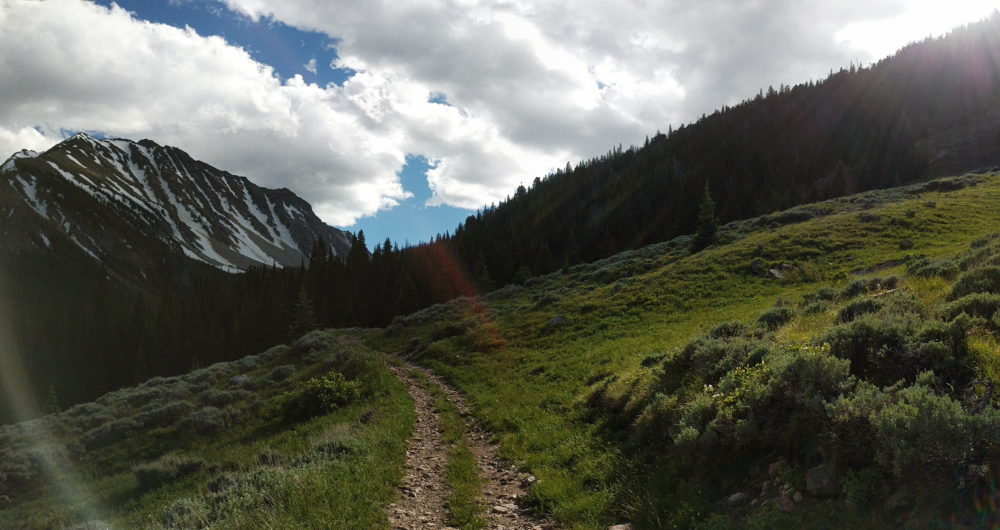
(402, 117)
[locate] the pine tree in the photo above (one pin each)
(484, 280)
(303, 316)
(52, 400)
(408, 299)
(707, 223)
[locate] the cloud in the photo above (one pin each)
(80, 66)
(493, 92)
(311, 65)
(533, 85)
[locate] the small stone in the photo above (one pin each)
(775, 468)
(737, 498)
(786, 504)
(625, 526)
(819, 480)
(500, 509)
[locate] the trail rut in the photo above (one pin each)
(422, 502)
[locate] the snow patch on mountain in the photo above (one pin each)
(205, 213)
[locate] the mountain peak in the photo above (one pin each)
(113, 197)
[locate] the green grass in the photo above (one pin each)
(335, 470)
(561, 399)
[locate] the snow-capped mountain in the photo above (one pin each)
(121, 202)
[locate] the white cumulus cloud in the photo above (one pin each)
(493, 92)
(80, 66)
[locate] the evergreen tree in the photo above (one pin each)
(408, 299)
(484, 280)
(51, 405)
(303, 316)
(708, 225)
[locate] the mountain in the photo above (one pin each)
(930, 110)
(115, 254)
(131, 205)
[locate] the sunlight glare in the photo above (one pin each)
(918, 20)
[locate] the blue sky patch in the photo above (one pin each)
(286, 49)
(412, 221)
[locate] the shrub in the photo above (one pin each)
(202, 375)
(165, 415)
(923, 435)
(221, 398)
(984, 280)
(207, 420)
(863, 487)
(857, 308)
(281, 373)
(218, 398)
(92, 418)
(926, 268)
(188, 512)
(709, 358)
(826, 294)
(275, 351)
(315, 340)
(246, 364)
(875, 345)
(980, 258)
(869, 285)
(886, 347)
(165, 470)
(240, 492)
(776, 317)
(733, 328)
(775, 403)
(320, 395)
(16, 470)
(109, 433)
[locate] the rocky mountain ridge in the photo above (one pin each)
(129, 204)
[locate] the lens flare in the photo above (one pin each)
(15, 389)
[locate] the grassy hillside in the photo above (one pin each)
(830, 365)
(654, 385)
(205, 449)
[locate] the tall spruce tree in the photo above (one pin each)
(708, 225)
(51, 405)
(303, 316)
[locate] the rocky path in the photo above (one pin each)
(422, 497)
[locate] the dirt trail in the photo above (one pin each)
(422, 496)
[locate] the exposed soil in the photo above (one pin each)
(422, 497)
